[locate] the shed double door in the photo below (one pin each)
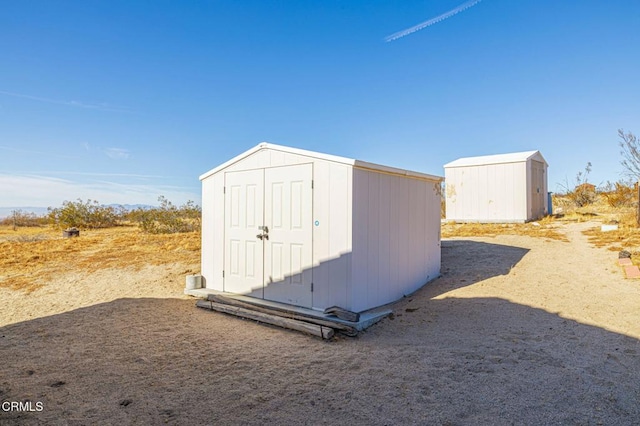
(268, 233)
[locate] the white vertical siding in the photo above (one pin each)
(529, 184)
(340, 229)
(510, 190)
(398, 235)
(321, 239)
(386, 185)
(522, 191)
(415, 249)
(396, 244)
(212, 250)
(373, 241)
(359, 259)
(206, 251)
(332, 235)
(487, 193)
(403, 228)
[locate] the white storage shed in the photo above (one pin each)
(497, 188)
(317, 230)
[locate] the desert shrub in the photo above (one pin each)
(619, 194)
(168, 218)
(577, 197)
(21, 218)
(582, 193)
(84, 215)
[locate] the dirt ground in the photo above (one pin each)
(518, 330)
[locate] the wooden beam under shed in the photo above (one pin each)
(281, 312)
(292, 324)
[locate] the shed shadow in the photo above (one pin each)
(454, 361)
(296, 289)
(474, 261)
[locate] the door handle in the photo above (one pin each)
(265, 234)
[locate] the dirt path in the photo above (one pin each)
(574, 280)
(517, 331)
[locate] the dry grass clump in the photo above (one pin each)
(20, 282)
(28, 259)
(7, 233)
(544, 228)
(624, 237)
(611, 200)
(619, 194)
(608, 211)
(565, 210)
(615, 206)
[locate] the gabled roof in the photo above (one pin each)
(514, 157)
(312, 154)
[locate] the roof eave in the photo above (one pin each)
(328, 157)
(460, 162)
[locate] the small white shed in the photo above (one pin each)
(497, 188)
(317, 230)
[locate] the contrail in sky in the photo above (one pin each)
(77, 104)
(425, 24)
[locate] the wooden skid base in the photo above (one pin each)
(293, 324)
(282, 312)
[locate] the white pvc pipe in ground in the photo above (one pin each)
(193, 282)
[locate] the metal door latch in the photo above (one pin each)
(265, 234)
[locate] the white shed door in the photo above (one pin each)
(243, 256)
(276, 202)
(288, 251)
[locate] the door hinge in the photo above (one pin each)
(311, 183)
(224, 189)
(311, 287)
(222, 274)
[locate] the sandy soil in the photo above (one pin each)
(517, 331)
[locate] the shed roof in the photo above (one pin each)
(312, 154)
(514, 157)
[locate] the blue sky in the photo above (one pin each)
(123, 101)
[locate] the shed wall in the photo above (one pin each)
(487, 193)
(396, 237)
(212, 262)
